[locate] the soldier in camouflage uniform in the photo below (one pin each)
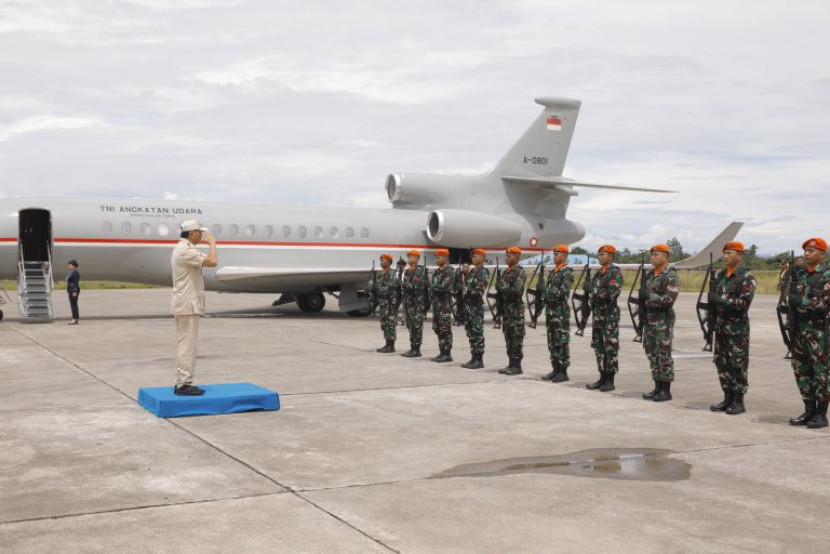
(605, 288)
(441, 289)
(388, 287)
(511, 286)
(475, 287)
(558, 315)
(730, 296)
(660, 290)
(810, 300)
(414, 302)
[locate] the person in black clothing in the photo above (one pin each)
(73, 288)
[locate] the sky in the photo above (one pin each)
(315, 102)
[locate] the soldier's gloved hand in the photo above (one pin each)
(715, 299)
(794, 299)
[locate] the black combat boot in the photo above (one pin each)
(737, 405)
(414, 352)
(664, 393)
(552, 374)
(390, 347)
(598, 384)
(819, 418)
(653, 393)
(608, 385)
(562, 376)
(476, 363)
(438, 357)
(469, 364)
(509, 367)
(516, 369)
(724, 404)
(443, 357)
(809, 411)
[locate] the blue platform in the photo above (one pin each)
(226, 398)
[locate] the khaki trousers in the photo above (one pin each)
(187, 334)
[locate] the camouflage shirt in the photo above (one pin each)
(475, 285)
(660, 294)
(441, 287)
(814, 290)
(557, 290)
(413, 288)
(388, 285)
(511, 285)
(605, 289)
(737, 292)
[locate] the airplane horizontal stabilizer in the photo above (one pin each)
(561, 182)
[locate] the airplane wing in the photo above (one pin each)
(289, 278)
(700, 259)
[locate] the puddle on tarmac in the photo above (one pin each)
(639, 464)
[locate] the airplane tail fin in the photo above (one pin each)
(543, 148)
(713, 249)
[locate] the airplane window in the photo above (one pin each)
(233, 229)
(144, 229)
(318, 232)
(286, 231)
(364, 233)
(334, 232)
(108, 226)
(126, 228)
(164, 230)
(269, 230)
(216, 228)
(349, 233)
(250, 230)
(303, 231)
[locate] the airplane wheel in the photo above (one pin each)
(313, 302)
(1, 315)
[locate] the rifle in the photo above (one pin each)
(497, 307)
(459, 311)
(534, 306)
(637, 305)
(706, 313)
(373, 290)
(399, 290)
(582, 311)
(427, 301)
(786, 313)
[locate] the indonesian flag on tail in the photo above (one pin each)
(554, 123)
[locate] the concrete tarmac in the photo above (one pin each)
(378, 453)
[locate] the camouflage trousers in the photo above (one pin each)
(514, 334)
(442, 326)
(475, 330)
(388, 320)
(657, 338)
(605, 340)
(732, 359)
(415, 324)
(810, 362)
(559, 338)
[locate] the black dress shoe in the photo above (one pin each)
(188, 390)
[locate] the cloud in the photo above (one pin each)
(47, 123)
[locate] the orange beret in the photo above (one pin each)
(413, 252)
(513, 250)
(478, 251)
(817, 243)
(661, 248)
(607, 248)
(561, 248)
(387, 257)
(736, 246)
(442, 252)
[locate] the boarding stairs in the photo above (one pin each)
(34, 289)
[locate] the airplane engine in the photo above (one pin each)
(416, 190)
(465, 229)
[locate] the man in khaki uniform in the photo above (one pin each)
(189, 299)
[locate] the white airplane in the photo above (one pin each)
(304, 251)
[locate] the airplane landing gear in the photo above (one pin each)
(313, 302)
